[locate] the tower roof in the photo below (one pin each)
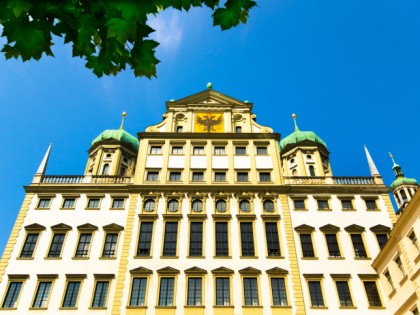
(400, 178)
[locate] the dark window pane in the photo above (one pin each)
(118, 203)
(382, 239)
(42, 294)
(359, 247)
(110, 245)
(101, 291)
(29, 246)
(56, 245)
(171, 234)
(268, 206)
(344, 293)
(222, 291)
(278, 290)
(332, 243)
(145, 239)
(250, 291)
(12, 295)
(138, 292)
(83, 245)
(196, 239)
(315, 292)
(272, 237)
(299, 203)
(93, 203)
(222, 246)
(247, 239)
(372, 293)
(307, 247)
(194, 291)
(166, 293)
(72, 292)
(221, 206)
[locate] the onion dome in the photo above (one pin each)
(300, 136)
(400, 177)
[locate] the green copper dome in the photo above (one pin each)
(403, 181)
(299, 136)
(119, 135)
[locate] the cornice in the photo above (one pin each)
(207, 136)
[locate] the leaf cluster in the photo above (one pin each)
(109, 34)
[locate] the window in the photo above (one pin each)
(247, 239)
(105, 170)
(198, 150)
(242, 176)
(44, 203)
(415, 311)
(175, 176)
(403, 195)
(12, 295)
(268, 206)
(358, 245)
(346, 204)
(56, 245)
(245, 206)
(221, 206)
(223, 291)
(166, 291)
(389, 280)
(332, 244)
(240, 150)
(83, 245)
(145, 239)
(42, 294)
(414, 241)
(152, 176)
(101, 292)
(238, 129)
(69, 203)
(110, 245)
(315, 292)
(138, 292)
(71, 294)
(262, 151)
(220, 176)
(372, 294)
(156, 149)
(400, 266)
(197, 206)
(179, 129)
(278, 291)
(173, 205)
(251, 291)
(371, 204)
(196, 239)
(265, 177)
(194, 291)
(344, 295)
(382, 239)
(198, 176)
(219, 151)
(307, 247)
(222, 245)
(149, 205)
(323, 204)
(299, 204)
(272, 236)
(171, 234)
(93, 203)
(29, 246)
(177, 150)
(118, 203)
(311, 171)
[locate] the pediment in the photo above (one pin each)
(141, 271)
(113, 227)
(380, 228)
(35, 227)
(87, 227)
(208, 97)
(304, 228)
(61, 227)
(354, 228)
(329, 228)
(249, 271)
(195, 270)
(223, 270)
(168, 270)
(277, 271)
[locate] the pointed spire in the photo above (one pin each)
(294, 119)
(396, 168)
(372, 167)
(43, 166)
(122, 122)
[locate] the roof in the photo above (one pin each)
(119, 135)
(403, 181)
(300, 136)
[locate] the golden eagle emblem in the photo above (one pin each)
(209, 122)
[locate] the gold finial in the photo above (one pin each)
(122, 122)
(294, 119)
(390, 155)
(392, 158)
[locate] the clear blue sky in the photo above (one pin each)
(349, 69)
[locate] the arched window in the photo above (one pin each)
(221, 206)
(173, 205)
(179, 129)
(245, 206)
(311, 170)
(294, 172)
(238, 129)
(403, 195)
(149, 205)
(197, 206)
(123, 171)
(105, 170)
(268, 206)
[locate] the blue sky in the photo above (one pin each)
(349, 69)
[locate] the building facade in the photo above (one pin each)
(203, 213)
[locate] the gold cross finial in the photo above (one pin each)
(122, 122)
(294, 119)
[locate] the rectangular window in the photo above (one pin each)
(389, 279)
(382, 239)
(344, 295)
(175, 176)
(372, 294)
(194, 291)
(171, 234)
(251, 291)
(332, 244)
(346, 204)
(242, 176)
(83, 245)
(196, 239)
(177, 150)
(69, 203)
(315, 291)
(118, 203)
(42, 294)
(198, 150)
(56, 245)
(72, 292)
(12, 295)
(414, 241)
(110, 245)
(138, 292)
(152, 176)
(247, 239)
(220, 176)
(371, 204)
(155, 149)
(198, 176)
(265, 177)
(299, 204)
(101, 292)
(223, 291)
(307, 247)
(44, 203)
(166, 292)
(240, 150)
(415, 311)
(29, 246)
(400, 266)
(272, 236)
(222, 245)
(145, 239)
(358, 245)
(323, 204)
(93, 203)
(219, 151)
(278, 290)
(262, 151)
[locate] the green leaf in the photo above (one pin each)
(136, 10)
(122, 30)
(143, 60)
(19, 6)
(225, 18)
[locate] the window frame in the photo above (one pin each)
(321, 291)
(286, 296)
(306, 256)
(374, 281)
(248, 209)
(146, 202)
(201, 174)
(244, 250)
(16, 279)
(199, 150)
(350, 200)
(116, 201)
(261, 176)
(166, 242)
(66, 199)
(89, 198)
(240, 150)
(371, 201)
(225, 277)
(344, 279)
(48, 279)
(299, 200)
(323, 201)
(177, 149)
(273, 202)
(155, 149)
(71, 279)
(153, 174)
(33, 250)
(146, 290)
(337, 244)
(87, 256)
(355, 251)
(95, 288)
(267, 242)
(217, 174)
(219, 150)
(259, 147)
(242, 177)
(187, 296)
(257, 289)
(43, 198)
(225, 243)
(174, 287)
(150, 242)
(190, 241)
(115, 244)
(175, 174)
(58, 232)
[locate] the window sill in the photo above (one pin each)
(223, 306)
(142, 257)
(309, 258)
(417, 259)
(80, 258)
(130, 307)
(194, 306)
(403, 280)
(95, 209)
(248, 257)
(107, 258)
(300, 209)
(243, 182)
(347, 307)
(252, 306)
(165, 307)
(196, 257)
(52, 258)
(392, 293)
(97, 308)
(325, 209)
(281, 306)
(169, 257)
(265, 182)
(373, 209)
(362, 258)
(8, 308)
(275, 257)
(38, 308)
(376, 307)
(39, 209)
(348, 209)
(67, 308)
(116, 208)
(67, 208)
(336, 258)
(319, 307)
(25, 258)
(222, 257)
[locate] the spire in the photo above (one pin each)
(43, 166)
(372, 167)
(294, 119)
(396, 168)
(122, 122)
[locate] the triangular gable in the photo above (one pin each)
(208, 97)
(35, 227)
(380, 228)
(354, 228)
(168, 270)
(141, 271)
(329, 228)
(304, 228)
(61, 227)
(249, 271)
(223, 270)
(277, 271)
(87, 227)
(113, 227)
(195, 270)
